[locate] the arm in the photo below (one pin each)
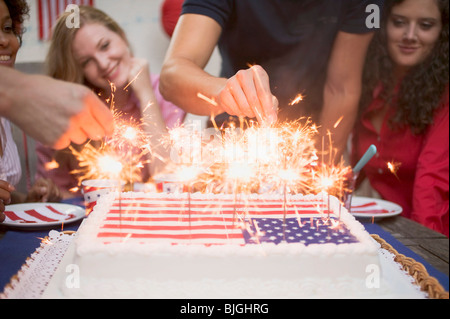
(153, 121)
(431, 184)
(182, 76)
(51, 111)
(342, 89)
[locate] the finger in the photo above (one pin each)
(252, 102)
(227, 99)
(5, 195)
(265, 96)
(102, 116)
(44, 198)
(2, 216)
(62, 142)
(90, 127)
(243, 107)
(7, 186)
(228, 103)
(76, 133)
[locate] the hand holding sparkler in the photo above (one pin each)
(54, 112)
(248, 93)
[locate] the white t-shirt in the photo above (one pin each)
(10, 169)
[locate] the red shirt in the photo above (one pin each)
(421, 183)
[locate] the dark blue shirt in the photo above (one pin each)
(291, 39)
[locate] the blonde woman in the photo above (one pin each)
(98, 55)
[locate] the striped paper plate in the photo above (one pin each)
(42, 214)
(373, 207)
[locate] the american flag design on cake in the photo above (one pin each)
(210, 222)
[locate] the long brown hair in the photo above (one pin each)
(423, 86)
(60, 62)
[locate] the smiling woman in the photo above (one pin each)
(413, 29)
(103, 55)
(12, 16)
(404, 110)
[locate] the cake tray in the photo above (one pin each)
(414, 269)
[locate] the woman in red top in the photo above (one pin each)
(404, 111)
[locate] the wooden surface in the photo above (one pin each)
(431, 245)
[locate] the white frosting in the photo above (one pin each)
(153, 269)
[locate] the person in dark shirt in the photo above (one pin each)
(272, 51)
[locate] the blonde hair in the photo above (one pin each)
(60, 61)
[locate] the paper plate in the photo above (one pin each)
(42, 214)
(373, 207)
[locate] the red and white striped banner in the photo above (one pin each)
(50, 10)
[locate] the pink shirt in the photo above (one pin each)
(172, 115)
(421, 183)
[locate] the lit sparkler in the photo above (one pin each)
(393, 167)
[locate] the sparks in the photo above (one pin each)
(297, 99)
(338, 122)
(393, 167)
(51, 165)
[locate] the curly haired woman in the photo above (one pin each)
(404, 111)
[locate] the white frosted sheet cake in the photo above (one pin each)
(145, 245)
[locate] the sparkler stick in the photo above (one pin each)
(235, 200)
(119, 187)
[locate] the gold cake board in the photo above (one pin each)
(417, 271)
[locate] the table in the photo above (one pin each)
(430, 245)
(407, 237)
(416, 241)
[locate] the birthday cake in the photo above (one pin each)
(159, 245)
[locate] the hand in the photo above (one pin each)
(44, 190)
(52, 111)
(248, 93)
(139, 79)
(5, 197)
